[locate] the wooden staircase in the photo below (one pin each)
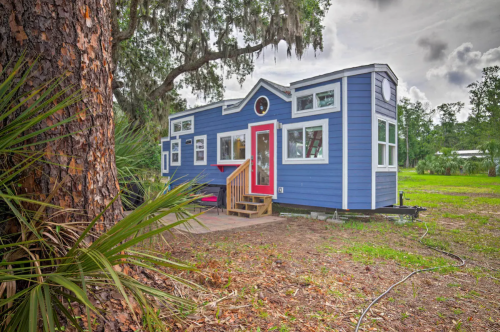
(239, 201)
(253, 206)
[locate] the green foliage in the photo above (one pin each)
(414, 127)
(422, 167)
(492, 151)
(201, 43)
(485, 101)
(48, 270)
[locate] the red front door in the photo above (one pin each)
(263, 159)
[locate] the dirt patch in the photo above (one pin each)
(296, 275)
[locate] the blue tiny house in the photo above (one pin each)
(328, 141)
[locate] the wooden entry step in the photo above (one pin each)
(253, 206)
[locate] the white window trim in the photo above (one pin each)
(386, 167)
(204, 138)
(172, 163)
(165, 168)
(233, 133)
(316, 110)
(255, 104)
(182, 132)
(302, 125)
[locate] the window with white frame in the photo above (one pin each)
(182, 126)
(175, 152)
(231, 147)
(305, 142)
(164, 162)
(200, 150)
(319, 100)
(387, 153)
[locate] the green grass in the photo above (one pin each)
(366, 253)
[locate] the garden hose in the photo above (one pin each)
(458, 258)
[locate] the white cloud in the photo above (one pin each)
(464, 65)
(413, 93)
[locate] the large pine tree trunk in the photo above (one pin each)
(71, 38)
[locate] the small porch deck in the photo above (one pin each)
(213, 222)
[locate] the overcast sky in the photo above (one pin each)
(435, 47)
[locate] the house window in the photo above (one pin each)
(261, 106)
(231, 147)
(320, 100)
(386, 144)
(182, 126)
(305, 142)
(200, 150)
(175, 152)
(164, 162)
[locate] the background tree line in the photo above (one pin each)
(419, 136)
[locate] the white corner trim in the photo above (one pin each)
(165, 139)
(316, 110)
(172, 163)
(164, 162)
(249, 150)
(204, 161)
(374, 145)
(232, 133)
(344, 145)
(255, 104)
(299, 125)
(261, 83)
(181, 120)
(397, 144)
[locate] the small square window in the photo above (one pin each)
(305, 103)
(177, 127)
(295, 143)
(381, 154)
(314, 142)
(239, 147)
(392, 133)
(381, 131)
(200, 150)
(324, 99)
(392, 155)
(225, 148)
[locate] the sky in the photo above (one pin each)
(435, 47)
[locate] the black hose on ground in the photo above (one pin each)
(458, 258)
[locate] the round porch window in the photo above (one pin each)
(261, 105)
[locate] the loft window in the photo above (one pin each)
(231, 147)
(175, 152)
(387, 153)
(200, 150)
(319, 100)
(261, 105)
(305, 142)
(182, 126)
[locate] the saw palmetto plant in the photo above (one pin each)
(48, 267)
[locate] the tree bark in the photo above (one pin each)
(407, 148)
(492, 172)
(70, 38)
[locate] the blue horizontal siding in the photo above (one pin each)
(381, 106)
(315, 185)
(385, 192)
(359, 125)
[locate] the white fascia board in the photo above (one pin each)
(204, 108)
(261, 83)
(345, 73)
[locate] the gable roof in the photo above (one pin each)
(230, 106)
